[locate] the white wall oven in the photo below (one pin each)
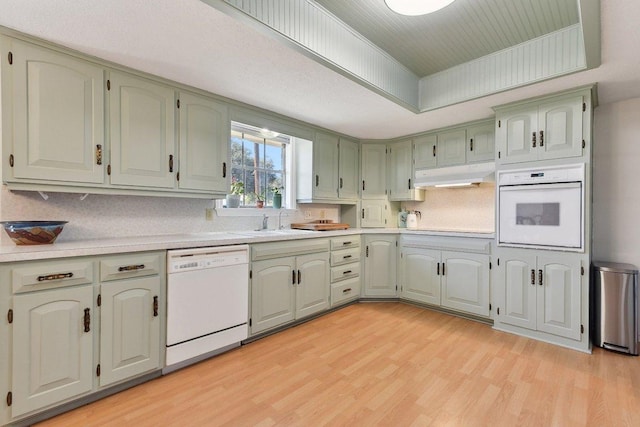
(542, 207)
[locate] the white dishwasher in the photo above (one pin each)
(207, 302)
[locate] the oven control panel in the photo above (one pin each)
(553, 174)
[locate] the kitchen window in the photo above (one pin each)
(259, 160)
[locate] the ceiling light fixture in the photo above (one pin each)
(416, 7)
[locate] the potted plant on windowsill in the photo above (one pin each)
(259, 200)
(277, 197)
(237, 190)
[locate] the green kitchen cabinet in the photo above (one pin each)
(401, 173)
(53, 332)
(348, 161)
(287, 288)
(204, 144)
(419, 275)
(541, 292)
(425, 151)
(142, 132)
(452, 147)
(481, 144)
(374, 171)
(465, 282)
(543, 130)
(57, 106)
(373, 213)
(380, 265)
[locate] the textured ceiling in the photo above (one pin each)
(461, 32)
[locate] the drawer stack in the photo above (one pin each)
(345, 269)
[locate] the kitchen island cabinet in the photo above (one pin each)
(287, 288)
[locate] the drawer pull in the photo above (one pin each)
(155, 306)
(87, 320)
(55, 277)
(131, 267)
(347, 256)
(347, 272)
(344, 291)
(346, 243)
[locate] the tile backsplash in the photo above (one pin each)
(457, 209)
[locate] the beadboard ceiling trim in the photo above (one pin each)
(311, 29)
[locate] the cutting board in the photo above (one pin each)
(320, 225)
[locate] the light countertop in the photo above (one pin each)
(11, 253)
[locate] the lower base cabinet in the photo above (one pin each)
(288, 288)
(541, 292)
(450, 279)
(380, 265)
(77, 325)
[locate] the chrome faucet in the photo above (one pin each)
(280, 226)
(265, 221)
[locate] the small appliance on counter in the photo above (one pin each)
(412, 219)
(402, 219)
(320, 225)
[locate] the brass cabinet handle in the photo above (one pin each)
(540, 277)
(170, 162)
(155, 306)
(48, 277)
(533, 140)
(98, 154)
(362, 213)
(344, 291)
(541, 138)
(224, 169)
(87, 320)
(131, 267)
(533, 277)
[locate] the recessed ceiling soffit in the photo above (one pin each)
(469, 49)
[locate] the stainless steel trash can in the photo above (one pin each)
(614, 311)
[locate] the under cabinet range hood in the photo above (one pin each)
(455, 176)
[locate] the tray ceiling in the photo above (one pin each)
(461, 32)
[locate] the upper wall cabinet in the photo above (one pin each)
(327, 169)
(204, 147)
(374, 171)
(457, 146)
(142, 129)
(544, 130)
(401, 173)
(58, 120)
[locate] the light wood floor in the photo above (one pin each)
(387, 364)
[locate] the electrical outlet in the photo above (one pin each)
(307, 214)
(208, 214)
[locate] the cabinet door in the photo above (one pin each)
(516, 131)
(559, 291)
(420, 275)
(374, 171)
(58, 118)
(373, 214)
(481, 142)
(452, 148)
(560, 129)
(465, 282)
(129, 328)
(325, 166)
(312, 284)
(401, 171)
(424, 151)
(348, 164)
(52, 349)
(142, 132)
(518, 276)
(272, 293)
(204, 144)
(380, 266)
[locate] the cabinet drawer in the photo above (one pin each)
(345, 256)
(126, 266)
(345, 242)
(345, 272)
(347, 290)
(51, 274)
